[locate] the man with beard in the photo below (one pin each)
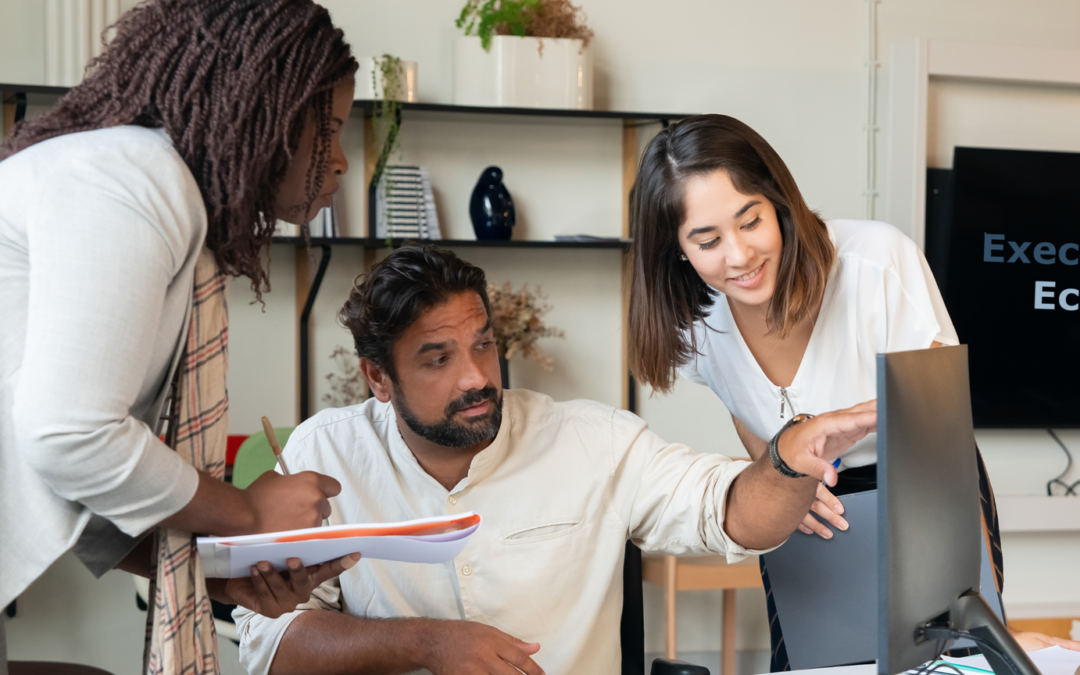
(561, 487)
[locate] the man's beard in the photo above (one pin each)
(450, 433)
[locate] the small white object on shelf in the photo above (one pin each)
(523, 72)
(324, 224)
(370, 84)
(286, 229)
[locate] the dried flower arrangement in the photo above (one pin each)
(347, 384)
(524, 18)
(517, 321)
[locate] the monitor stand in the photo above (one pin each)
(970, 617)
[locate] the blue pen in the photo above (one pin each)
(836, 465)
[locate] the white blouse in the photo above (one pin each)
(880, 297)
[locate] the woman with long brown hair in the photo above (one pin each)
(123, 210)
(739, 286)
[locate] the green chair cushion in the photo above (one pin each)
(255, 456)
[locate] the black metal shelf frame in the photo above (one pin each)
(367, 242)
(652, 117)
(368, 105)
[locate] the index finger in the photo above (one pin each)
(331, 569)
(829, 499)
(864, 406)
(299, 579)
(848, 421)
(329, 486)
(520, 660)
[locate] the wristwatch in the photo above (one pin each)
(774, 452)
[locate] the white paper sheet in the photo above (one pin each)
(233, 557)
(1049, 661)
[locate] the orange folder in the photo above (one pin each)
(412, 530)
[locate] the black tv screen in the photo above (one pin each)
(1003, 240)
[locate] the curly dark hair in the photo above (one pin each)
(233, 83)
(391, 297)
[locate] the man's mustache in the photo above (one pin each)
(471, 398)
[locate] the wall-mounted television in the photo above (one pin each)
(1003, 241)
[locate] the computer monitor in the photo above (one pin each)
(928, 516)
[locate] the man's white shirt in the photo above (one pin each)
(560, 489)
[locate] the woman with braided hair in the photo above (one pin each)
(123, 210)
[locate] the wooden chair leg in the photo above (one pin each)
(727, 643)
(670, 579)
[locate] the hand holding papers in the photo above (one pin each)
(427, 540)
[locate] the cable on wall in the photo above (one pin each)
(1069, 489)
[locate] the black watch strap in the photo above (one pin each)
(774, 451)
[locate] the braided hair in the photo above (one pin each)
(233, 83)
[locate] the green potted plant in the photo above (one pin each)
(389, 82)
(523, 53)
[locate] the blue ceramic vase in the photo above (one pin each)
(491, 207)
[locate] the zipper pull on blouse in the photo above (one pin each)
(785, 403)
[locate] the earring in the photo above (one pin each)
(682, 256)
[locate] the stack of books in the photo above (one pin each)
(324, 224)
(405, 204)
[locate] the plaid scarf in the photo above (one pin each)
(180, 637)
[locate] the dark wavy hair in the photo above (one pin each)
(666, 295)
(398, 290)
(233, 83)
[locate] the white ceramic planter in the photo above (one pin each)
(369, 80)
(523, 72)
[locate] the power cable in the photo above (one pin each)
(1070, 489)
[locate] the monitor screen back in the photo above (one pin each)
(826, 590)
(929, 529)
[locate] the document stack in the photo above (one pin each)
(324, 224)
(405, 205)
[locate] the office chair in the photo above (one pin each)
(255, 457)
(632, 625)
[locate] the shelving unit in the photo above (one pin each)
(308, 282)
(630, 122)
(306, 301)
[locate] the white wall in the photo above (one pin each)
(794, 70)
(22, 40)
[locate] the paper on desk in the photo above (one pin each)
(426, 540)
(1049, 661)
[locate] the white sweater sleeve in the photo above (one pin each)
(107, 232)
